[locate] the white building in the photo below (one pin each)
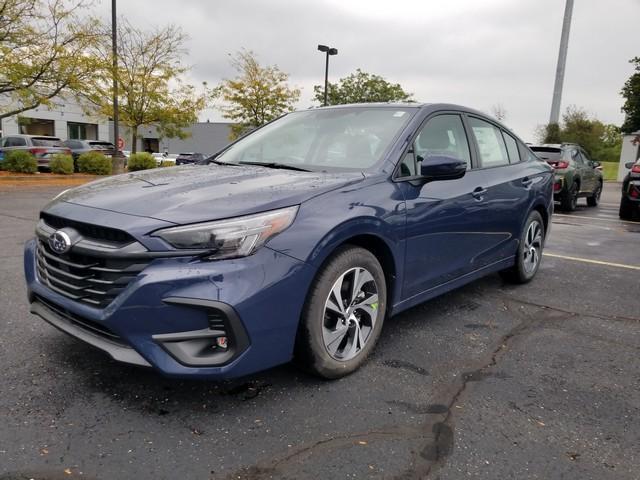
(64, 119)
(630, 153)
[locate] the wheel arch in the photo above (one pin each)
(365, 234)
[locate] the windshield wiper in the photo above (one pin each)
(285, 166)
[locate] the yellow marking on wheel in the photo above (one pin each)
(588, 260)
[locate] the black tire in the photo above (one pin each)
(523, 271)
(594, 198)
(626, 209)
(569, 199)
(311, 351)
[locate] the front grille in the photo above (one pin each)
(91, 279)
(88, 325)
(88, 230)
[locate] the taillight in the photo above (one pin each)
(560, 165)
(633, 193)
(36, 151)
(636, 168)
(557, 187)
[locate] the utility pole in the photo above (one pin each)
(119, 161)
(562, 60)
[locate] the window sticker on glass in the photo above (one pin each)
(399, 114)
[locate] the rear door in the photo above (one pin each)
(588, 173)
(445, 219)
(509, 188)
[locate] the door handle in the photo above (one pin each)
(478, 193)
(526, 181)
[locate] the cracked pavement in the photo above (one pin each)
(490, 381)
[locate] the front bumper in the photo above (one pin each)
(166, 317)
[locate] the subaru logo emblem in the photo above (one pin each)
(60, 242)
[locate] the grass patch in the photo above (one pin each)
(610, 171)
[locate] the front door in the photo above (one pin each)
(445, 219)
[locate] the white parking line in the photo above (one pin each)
(587, 260)
(595, 218)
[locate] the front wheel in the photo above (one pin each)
(529, 253)
(569, 199)
(594, 198)
(343, 314)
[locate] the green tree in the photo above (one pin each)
(256, 95)
(550, 133)
(362, 87)
(602, 142)
(577, 127)
(631, 93)
(43, 45)
(151, 89)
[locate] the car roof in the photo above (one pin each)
(559, 146)
(24, 135)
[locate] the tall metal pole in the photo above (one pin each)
(114, 53)
(562, 60)
(326, 79)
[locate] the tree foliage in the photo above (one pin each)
(361, 87)
(631, 93)
(602, 142)
(151, 89)
(256, 95)
(43, 45)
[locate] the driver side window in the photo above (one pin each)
(443, 135)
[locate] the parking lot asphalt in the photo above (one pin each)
(490, 381)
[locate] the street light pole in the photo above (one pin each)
(562, 60)
(328, 51)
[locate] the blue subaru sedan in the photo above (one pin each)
(298, 241)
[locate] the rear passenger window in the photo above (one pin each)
(491, 147)
(512, 148)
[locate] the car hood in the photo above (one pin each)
(191, 194)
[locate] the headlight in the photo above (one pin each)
(236, 237)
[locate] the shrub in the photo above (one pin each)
(94, 162)
(141, 161)
(20, 161)
(167, 163)
(61, 163)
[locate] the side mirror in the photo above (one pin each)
(442, 167)
(629, 165)
(595, 164)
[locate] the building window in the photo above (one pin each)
(36, 126)
(82, 131)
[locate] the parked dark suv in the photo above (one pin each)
(187, 158)
(78, 147)
(576, 175)
(43, 148)
(296, 241)
(630, 201)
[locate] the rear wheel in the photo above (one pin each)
(626, 209)
(529, 252)
(343, 315)
(594, 199)
(569, 199)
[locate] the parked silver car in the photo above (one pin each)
(43, 148)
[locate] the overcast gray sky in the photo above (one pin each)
(473, 52)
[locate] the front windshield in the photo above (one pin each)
(349, 138)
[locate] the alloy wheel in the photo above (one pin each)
(350, 314)
(532, 248)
